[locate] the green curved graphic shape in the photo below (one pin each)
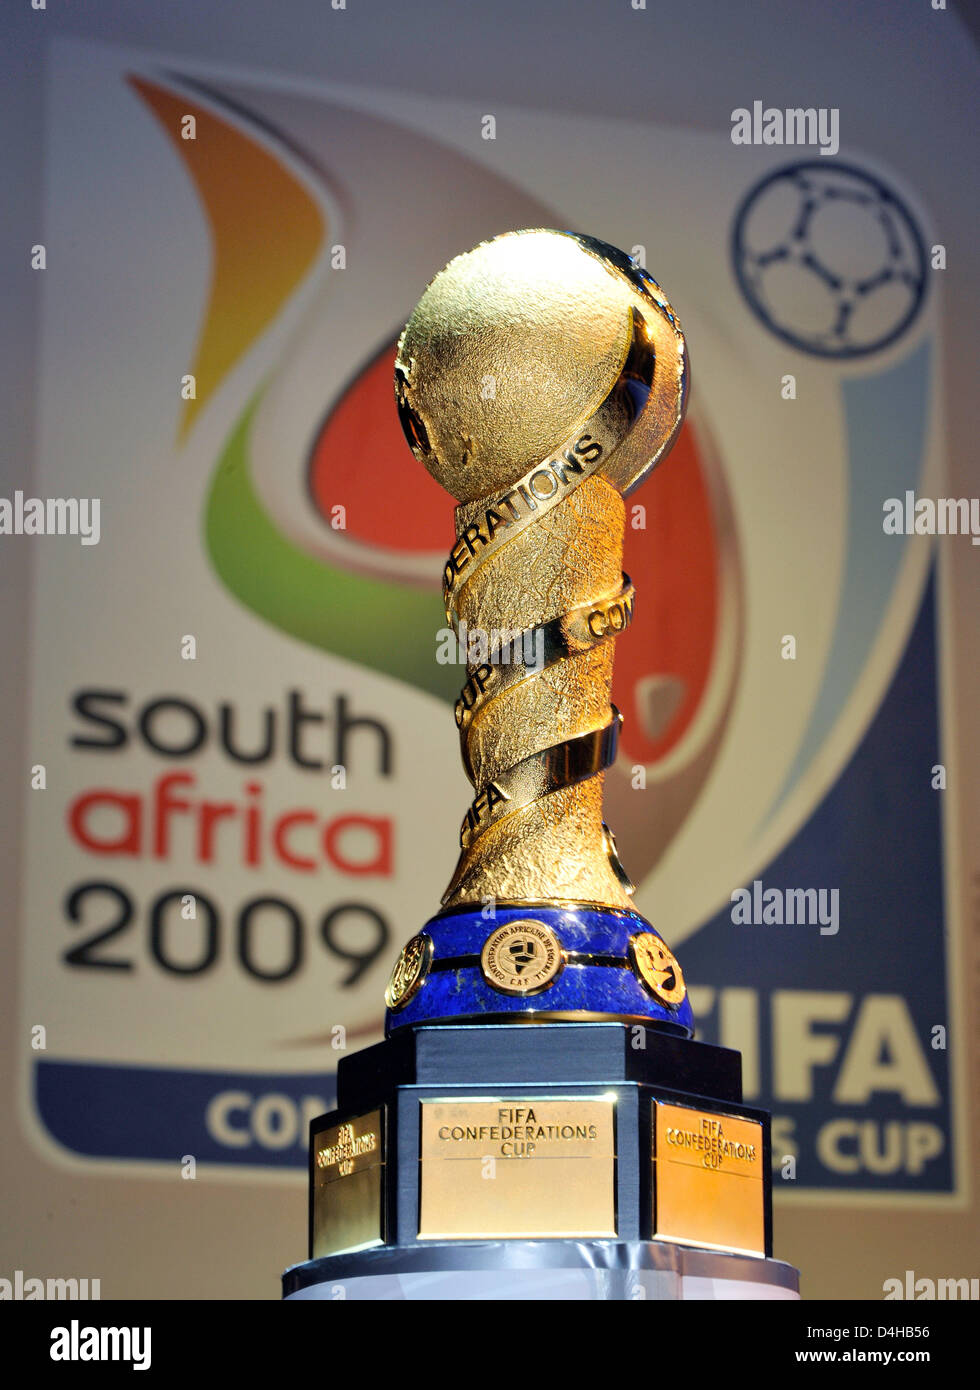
(383, 626)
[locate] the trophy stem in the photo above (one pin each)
(536, 725)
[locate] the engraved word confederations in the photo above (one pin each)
(517, 1133)
(545, 484)
(348, 1147)
(711, 1142)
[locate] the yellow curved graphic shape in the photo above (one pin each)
(266, 230)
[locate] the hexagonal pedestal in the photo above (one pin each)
(487, 1159)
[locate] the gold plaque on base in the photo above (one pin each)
(517, 1169)
(348, 1186)
(708, 1186)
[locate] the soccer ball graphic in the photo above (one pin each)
(829, 259)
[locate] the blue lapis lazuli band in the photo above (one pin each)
(455, 989)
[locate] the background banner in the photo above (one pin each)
(244, 786)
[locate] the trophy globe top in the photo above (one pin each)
(515, 343)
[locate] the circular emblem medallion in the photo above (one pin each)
(657, 968)
(524, 957)
(410, 971)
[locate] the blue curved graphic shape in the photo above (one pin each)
(885, 420)
(876, 839)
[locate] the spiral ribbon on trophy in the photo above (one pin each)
(492, 528)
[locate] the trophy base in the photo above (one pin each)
(573, 1271)
(548, 1145)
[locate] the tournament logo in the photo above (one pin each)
(826, 258)
(657, 967)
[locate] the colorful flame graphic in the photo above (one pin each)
(367, 590)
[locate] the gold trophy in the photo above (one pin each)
(539, 380)
(539, 1081)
